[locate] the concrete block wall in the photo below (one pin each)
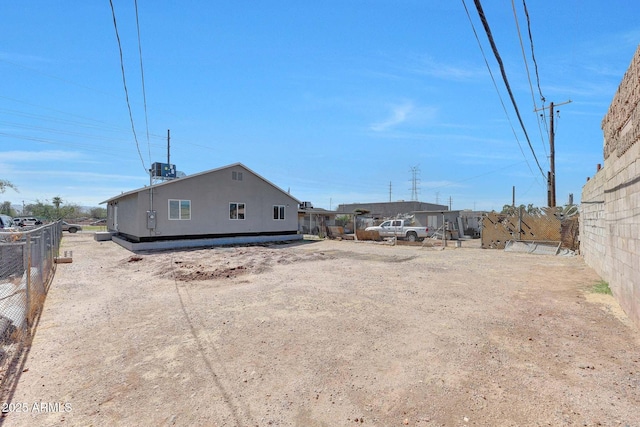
(593, 234)
(610, 208)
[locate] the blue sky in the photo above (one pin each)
(332, 100)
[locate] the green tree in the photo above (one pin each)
(5, 208)
(533, 210)
(343, 220)
(514, 210)
(41, 210)
(4, 184)
(98, 213)
(511, 210)
(57, 201)
(69, 212)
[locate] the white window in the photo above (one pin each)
(180, 209)
(278, 212)
(236, 210)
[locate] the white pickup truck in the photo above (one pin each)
(397, 228)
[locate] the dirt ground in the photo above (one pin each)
(327, 333)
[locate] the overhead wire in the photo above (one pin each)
(58, 143)
(487, 29)
(495, 85)
(533, 55)
(124, 82)
(144, 92)
(59, 131)
(543, 115)
(526, 66)
(104, 126)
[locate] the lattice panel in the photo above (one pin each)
(497, 229)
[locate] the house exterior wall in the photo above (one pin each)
(210, 195)
(610, 208)
(122, 215)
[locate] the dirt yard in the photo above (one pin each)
(327, 333)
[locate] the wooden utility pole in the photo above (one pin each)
(551, 177)
(169, 146)
(552, 160)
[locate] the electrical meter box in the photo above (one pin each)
(151, 220)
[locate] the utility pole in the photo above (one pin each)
(552, 160)
(551, 176)
(168, 146)
(389, 191)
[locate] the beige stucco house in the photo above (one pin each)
(228, 205)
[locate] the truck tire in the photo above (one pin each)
(412, 236)
(72, 230)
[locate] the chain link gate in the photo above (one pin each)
(552, 225)
(27, 265)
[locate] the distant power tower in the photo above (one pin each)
(415, 180)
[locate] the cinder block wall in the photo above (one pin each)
(593, 233)
(610, 209)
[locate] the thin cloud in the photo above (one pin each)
(14, 58)
(79, 175)
(39, 156)
(405, 114)
(398, 115)
(427, 66)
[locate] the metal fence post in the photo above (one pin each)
(520, 223)
(28, 281)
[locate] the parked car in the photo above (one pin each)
(26, 221)
(99, 222)
(6, 223)
(71, 228)
(398, 228)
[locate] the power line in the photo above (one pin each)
(90, 122)
(485, 24)
(57, 143)
(535, 64)
(124, 82)
(533, 56)
(495, 85)
(144, 92)
(526, 66)
(492, 172)
(60, 131)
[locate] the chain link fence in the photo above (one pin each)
(27, 265)
(551, 225)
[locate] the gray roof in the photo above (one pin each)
(390, 209)
(318, 211)
(119, 196)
